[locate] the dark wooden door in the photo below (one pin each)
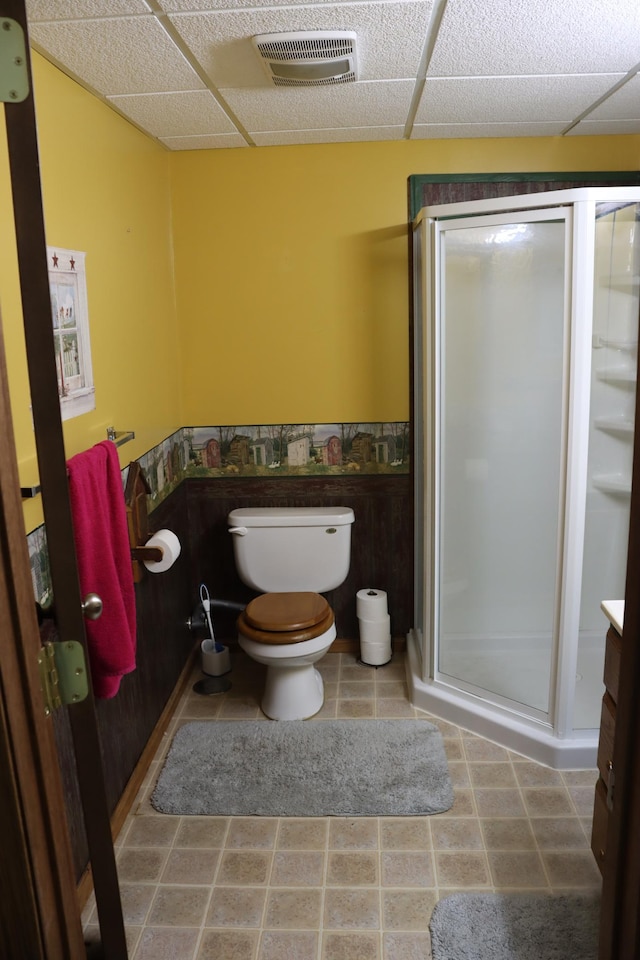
(34, 285)
(39, 915)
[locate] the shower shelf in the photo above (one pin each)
(614, 424)
(618, 344)
(612, 483)
(617, 374)
(621, 281)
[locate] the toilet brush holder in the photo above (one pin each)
(215, 658)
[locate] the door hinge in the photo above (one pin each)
(63, 674)
(14, 77)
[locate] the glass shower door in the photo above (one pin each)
(500, 346)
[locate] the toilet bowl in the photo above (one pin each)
(288, 632)
(293, 555)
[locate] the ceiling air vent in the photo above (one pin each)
(309, 59)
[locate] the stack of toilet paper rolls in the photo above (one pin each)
(375, 626)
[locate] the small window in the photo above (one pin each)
(69, 310)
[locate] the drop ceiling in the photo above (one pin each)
(186, 72)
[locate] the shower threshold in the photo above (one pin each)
(530, 738)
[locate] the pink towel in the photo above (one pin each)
(104, 563)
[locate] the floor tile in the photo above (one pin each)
(230, 944)
(351, 909)
(407, 909)
(288, 945)
(404, 869)
(467, 869)
(344, 888)
(162, 943)
(294, 909)
(297, 868)
(179, 906)
(236, 907)
(350, 946)
(516, 869)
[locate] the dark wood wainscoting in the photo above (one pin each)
(126, 722)
(382, 557)
(382, 539)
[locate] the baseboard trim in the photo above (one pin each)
(345, 645)
(84, 887)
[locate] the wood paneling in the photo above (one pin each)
(125, 723)
(382, 539)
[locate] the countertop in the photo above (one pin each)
(614, 610)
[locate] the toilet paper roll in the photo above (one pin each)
(375, 631)
(371, 604)
(375, 654)
(170, 546)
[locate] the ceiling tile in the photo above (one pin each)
(517, 37)
(509, 99)
(446, 131)
(390, 37)
(204, 143)
(343, 105)
(175, 114)
(125, 55)
(499, 67)
(347, 135)
(203, 6)
(624, 104)
(82, 9)
(590, 128)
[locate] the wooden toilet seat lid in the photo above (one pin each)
(286, 618)
(286, 611)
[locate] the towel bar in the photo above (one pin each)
(27, 493)
(119, 437)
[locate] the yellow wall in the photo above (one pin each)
(106, 191)
(292, 269)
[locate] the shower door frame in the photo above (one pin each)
(579, 281)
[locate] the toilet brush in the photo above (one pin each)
(215, 656)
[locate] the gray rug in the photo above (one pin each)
(341, 768)
(493, 926)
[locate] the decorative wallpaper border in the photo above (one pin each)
(273, 450)
(276, 450)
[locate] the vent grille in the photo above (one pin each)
(314, 49)
(289, 82)
(308, 59)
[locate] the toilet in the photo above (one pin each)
(290, 555)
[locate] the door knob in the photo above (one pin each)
(92, 606)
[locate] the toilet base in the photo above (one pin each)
(292, 693)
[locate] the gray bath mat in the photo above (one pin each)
(342, 768)
(493, 926)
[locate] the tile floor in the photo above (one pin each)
(253, 888)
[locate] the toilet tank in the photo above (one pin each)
(292, 548)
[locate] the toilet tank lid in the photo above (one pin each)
(290, 516)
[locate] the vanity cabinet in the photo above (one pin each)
(605, 786)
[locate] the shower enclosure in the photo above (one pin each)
(526, 333)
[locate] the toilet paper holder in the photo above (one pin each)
(136, 492)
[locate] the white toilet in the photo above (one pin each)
(291, 555)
